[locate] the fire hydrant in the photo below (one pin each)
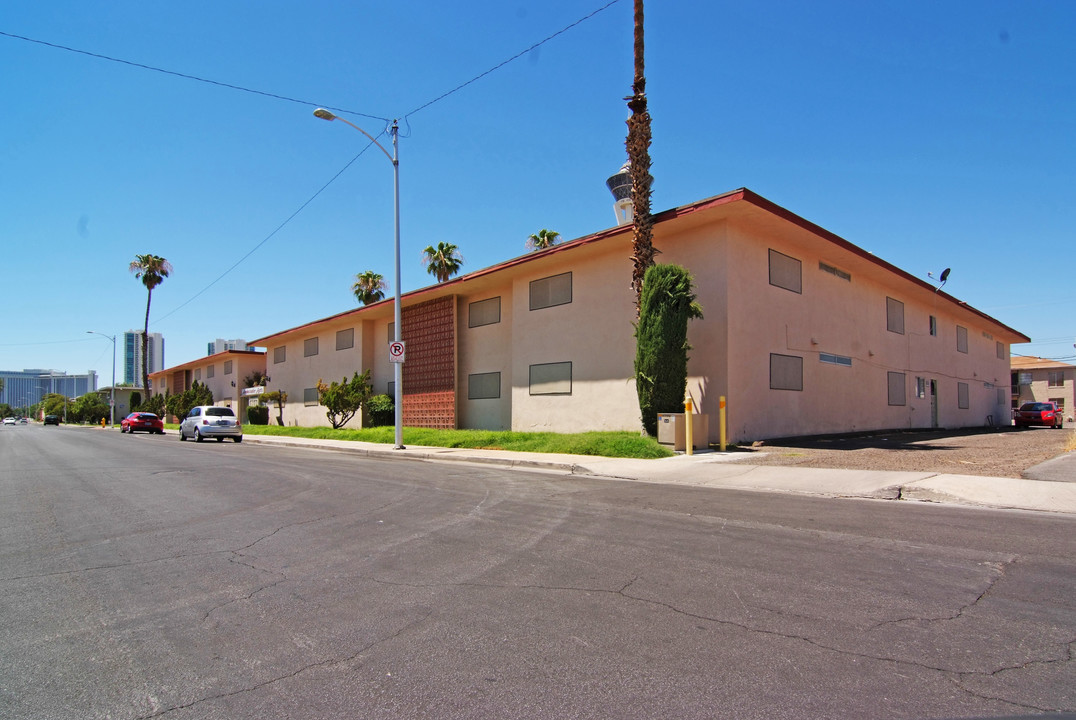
(102, 423)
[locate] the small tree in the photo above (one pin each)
(280, 398)
(668, 302)
(88, 408)
(342, 400)
(181, 403)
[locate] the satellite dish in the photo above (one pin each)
(945, 275)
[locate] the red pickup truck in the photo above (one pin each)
(1039, 413)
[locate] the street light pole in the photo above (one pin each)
(394, 158)
(112, 390)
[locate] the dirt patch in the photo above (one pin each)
(995, 453)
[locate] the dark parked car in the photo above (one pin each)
(1039, 413)
(52, 419)
(142, 421)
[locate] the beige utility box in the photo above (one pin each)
(672, 430)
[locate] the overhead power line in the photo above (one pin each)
(187, 76)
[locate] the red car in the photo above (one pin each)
(142, 421)
(1039, 413)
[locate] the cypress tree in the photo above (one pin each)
(667, 303)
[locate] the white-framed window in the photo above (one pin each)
(345, 339)
(831, 359)
(961, 339)
(551, 379)
(310, 347)
(310, 396)
(551, 291)
(786, 272)
(1055, 378)
(484, 386)
(786, 372)
(280, 354)
(894, 316)
(962, 398)
(897, 389)
(484, 312)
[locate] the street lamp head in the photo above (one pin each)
(324, 114)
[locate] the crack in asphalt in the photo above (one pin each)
(300, 671)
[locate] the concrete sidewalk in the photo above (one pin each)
(713, 469)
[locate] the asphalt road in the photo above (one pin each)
(143, 577)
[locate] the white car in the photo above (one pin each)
(211, 421)
(9, 421)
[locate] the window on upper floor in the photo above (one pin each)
(831, 359)
(210, 371)
(834, 271)
(1000, 348)
(961, 339)
(1055, 378)
(227, 367)
(894, 316)
(345, 339)
(310, 347)
(551, 291)
(933, 326)
(279, 354)
(484, 312)
(786, 272)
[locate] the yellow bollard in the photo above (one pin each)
(688, 407)
(721, 422)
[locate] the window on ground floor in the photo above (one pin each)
(484, 386)
(310, 396)
(786, 372)
(897, 390)
(962, 398)
(551, 379)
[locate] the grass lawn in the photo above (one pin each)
(603, 444)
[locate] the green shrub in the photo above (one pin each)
(258, 415)
(382, 410)
(667, 302)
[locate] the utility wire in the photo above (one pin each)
(188, 77)
(268, 237)
(514, 57)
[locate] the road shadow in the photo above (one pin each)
(918, 440)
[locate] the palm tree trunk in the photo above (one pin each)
(638, 146)
(145, 345)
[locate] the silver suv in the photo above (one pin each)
(211, 421)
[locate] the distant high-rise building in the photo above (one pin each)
(220, 345)
(27, 387)
(132, 356)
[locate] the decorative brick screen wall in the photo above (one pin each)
(429, 373)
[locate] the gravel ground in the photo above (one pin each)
(995, 453)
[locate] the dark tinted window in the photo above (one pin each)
(219, 412)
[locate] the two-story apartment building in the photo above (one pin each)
(222, 373)
(1036, 379)
(804, 333)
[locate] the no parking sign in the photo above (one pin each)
(397, 350)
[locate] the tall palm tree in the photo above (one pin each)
(442, 261)
(369, 287)
(638, 146)
(151, 270)
(543, 239)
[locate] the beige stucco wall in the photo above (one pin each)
(1040, 389)
(485, 349)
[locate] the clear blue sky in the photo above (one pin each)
(933, 134)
